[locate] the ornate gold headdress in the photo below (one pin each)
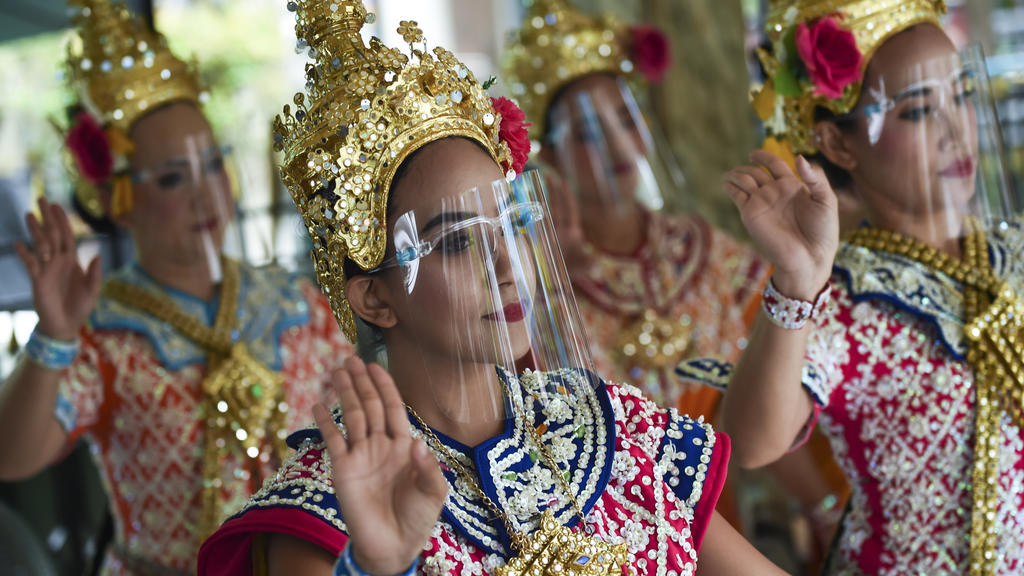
(855, 29)
(558, 44)
(367, 109)
(119, 69)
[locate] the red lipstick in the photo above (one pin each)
(513, 312)
(962, 168)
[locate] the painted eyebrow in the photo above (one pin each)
(443, 216)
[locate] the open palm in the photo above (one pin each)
(63, 292)
(389, 486)
(793, 221)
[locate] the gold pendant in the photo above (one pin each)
(244, 396)
(654, 343)
(556, 549)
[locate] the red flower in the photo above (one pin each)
(90, 149)
(830, 55)
(512, 131)
(651, 51)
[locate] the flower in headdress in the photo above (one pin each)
(90, 148)
(512, 131)
(830, 56)
(651, 52)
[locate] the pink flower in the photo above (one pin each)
(651, 52)
(90, 149)
(512, 131)
(830, 55)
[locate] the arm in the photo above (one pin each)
(795, 224)
(288, 555)
(765, 406)
(64, 294)
(30, 436)
(725, 552)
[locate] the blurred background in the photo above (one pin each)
(246, 53)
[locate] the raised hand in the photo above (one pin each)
(565, 216)
(63, 292)
(389, 486)
(793, 221)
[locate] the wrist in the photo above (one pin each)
(791, 313)
(58, 334)
(800, 287)
(51, 353)
(349, 565)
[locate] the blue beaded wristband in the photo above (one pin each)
(346, 565)
(50, 353)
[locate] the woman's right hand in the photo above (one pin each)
(63, 292)
(793, 221)
(389, 486)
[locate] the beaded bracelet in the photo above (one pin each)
(346, 565)
(49, 353)
(790, 313)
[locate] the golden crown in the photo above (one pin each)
(785, 102)
(119, 68)
(367, 109)
(556, 45)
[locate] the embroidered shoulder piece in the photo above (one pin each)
(270, 302)
(680, 446)
(707, 371)
(926, 293)
(575, 424)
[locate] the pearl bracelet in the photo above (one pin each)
(790, 313)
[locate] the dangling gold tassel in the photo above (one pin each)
(13, 346)
(123, 199)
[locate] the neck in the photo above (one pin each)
(460, 400)
(196, 280)
(617, 230)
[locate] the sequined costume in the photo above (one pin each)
(687, 291)
(134, 391)
(887, 365)
(645, 476)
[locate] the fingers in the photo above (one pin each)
(395, 415)
(814, 177)
(351, 407)
(28, 259)
(40, 243)
(429, 478)
(94, 277)
(750, 178)
(335, 441)
(738, 195)
(63, 225)
(50, 226)
(369, 397)
(777, 166)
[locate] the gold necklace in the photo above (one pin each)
(552, 549)
(995, 329)
(242, 397)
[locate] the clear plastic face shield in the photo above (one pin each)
(930, 160)
(479, 291)
(187, 198)
(606, 152)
